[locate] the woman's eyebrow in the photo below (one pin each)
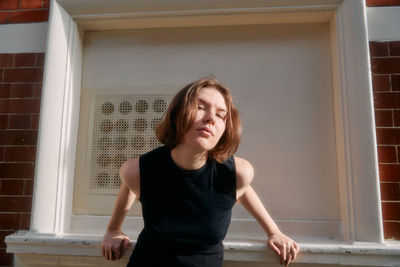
(204, 102)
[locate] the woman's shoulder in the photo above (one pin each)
(244, 172)
(130, 174)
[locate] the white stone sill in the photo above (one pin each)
(311, 251)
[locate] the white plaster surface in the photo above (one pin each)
(383, 23)
(23, 37)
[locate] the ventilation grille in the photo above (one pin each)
(122, 127)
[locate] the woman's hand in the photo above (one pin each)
(113, 244)
(283, 246)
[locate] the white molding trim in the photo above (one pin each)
(356, 143)
(51, 249)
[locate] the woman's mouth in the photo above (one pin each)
(206, 131)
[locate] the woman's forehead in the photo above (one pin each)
(212, 96)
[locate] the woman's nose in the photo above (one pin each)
(210, 118)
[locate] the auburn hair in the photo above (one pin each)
(182, 112)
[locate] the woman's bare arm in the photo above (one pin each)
(114, 241)
(282, 245)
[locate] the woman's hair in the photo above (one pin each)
(182, 112)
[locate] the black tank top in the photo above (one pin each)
(184, 211)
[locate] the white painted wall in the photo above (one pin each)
(383, 24)
(23, 37)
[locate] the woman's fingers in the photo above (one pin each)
(274, 247)
(283, 260)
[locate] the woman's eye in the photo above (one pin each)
(200, 107)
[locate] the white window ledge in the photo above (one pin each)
(35, 248)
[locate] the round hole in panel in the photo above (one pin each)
(159, 105)
(154, 143)
(107, 108)
(106, 126)
(141, 106)
(135, 155)
(121, 125)
(117, 181)
(104, 143)
(119, 159)
(125, 107)
(102, 179)
(154, 123)
(120, 143)
(138, 142)
(104, 160)
(140, 125)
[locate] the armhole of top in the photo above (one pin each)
(140, 179)
(234, 177)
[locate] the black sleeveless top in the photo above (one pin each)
(186, 213)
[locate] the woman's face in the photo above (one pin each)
(209, 124)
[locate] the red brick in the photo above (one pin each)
(3, 235)
(383, 2)
(15, 204)
(383, 118)
(1, 75)
(37, 90)
(21, 90)
(395, 82)
(25, 60)
(23, 75)
(20, 154)
(3, 121)
(3, 17)
(28, 188)
(6, 60)
(11, 187)
(30, 4)
(40, 59)
(20, 106)
(6, 259)
(35, 122)
(394, 48)
(1, 153)
(380, 83)
(396, 118)
(386, 154)
(387, 100)
(25, 221)
(19, 122)
(5, 90)
(391, 230)
(385, 65)
(46, 3)
(388, 136)
(17, 170)
(8, 4)
(18, 137)
(28, 16)
(390, 191)
(391, 210)
(389, 172)
(378, 49)
(9, 221)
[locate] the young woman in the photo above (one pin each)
(188, 187)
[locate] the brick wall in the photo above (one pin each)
(23, 11)
(385, 63)
(383, 2)
(20, 91)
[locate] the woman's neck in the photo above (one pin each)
(188, 159)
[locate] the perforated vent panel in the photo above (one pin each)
(122, 127)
